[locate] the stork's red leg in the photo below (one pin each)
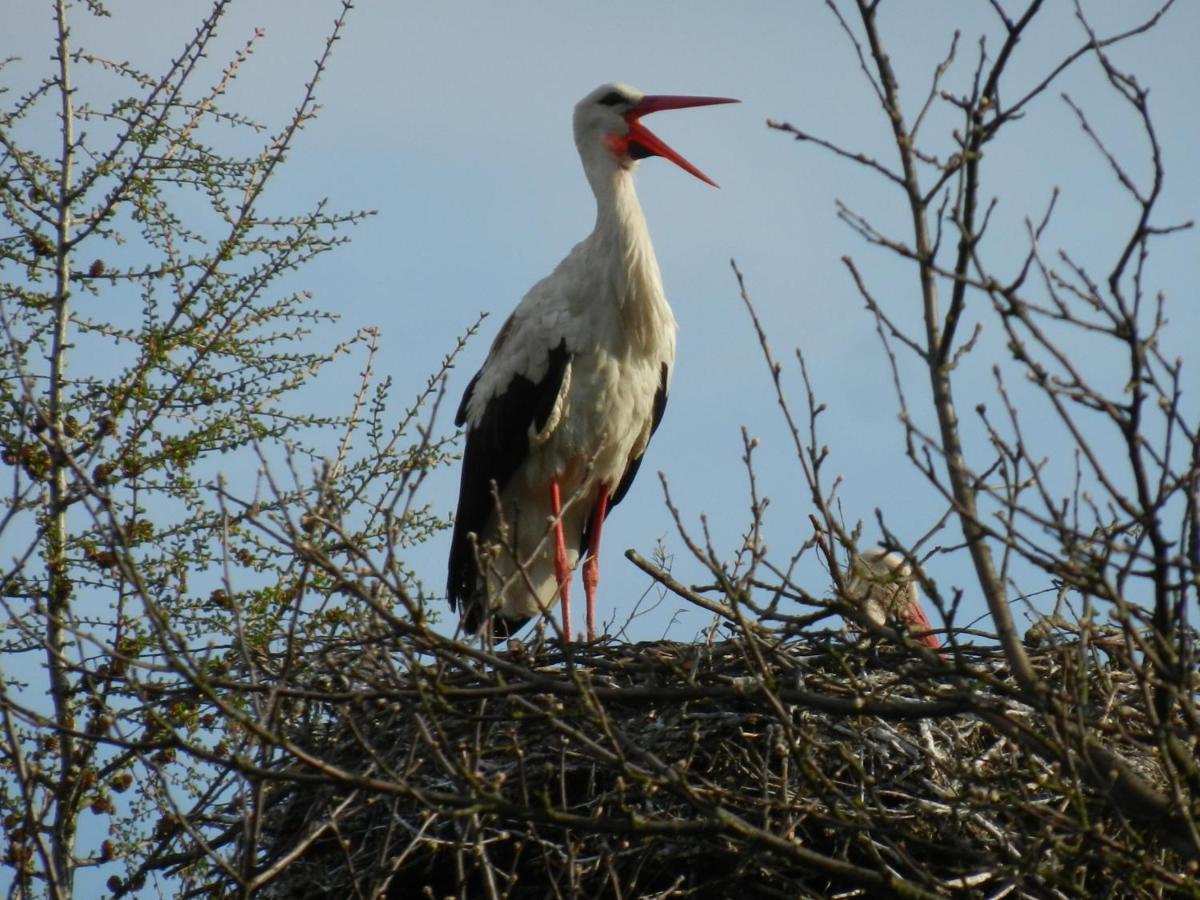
(591, 566)
(562, 569)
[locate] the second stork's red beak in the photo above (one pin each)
(643, 142)
(915, 619)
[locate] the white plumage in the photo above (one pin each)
(571, 391)
(883, 586)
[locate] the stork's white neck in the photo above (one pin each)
(620, 243)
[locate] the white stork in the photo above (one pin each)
(558, 417)
(882, 585)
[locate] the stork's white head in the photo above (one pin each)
(611, 137)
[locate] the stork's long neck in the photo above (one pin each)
(619, 215)
(621, 242)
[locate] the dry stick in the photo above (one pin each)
(938, 344)
(666, 580)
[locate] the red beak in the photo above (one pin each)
(643, 142)
(914, 618)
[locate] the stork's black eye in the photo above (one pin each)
(612, 98)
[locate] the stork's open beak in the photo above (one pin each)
(643, 142)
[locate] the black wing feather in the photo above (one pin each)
(495, 447)
(660, 405)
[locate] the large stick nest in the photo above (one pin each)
(748, 767)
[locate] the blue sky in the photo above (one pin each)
(453, 121)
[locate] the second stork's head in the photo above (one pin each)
(611, 137)
(884, 588)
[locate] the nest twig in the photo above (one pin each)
(737, 768)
